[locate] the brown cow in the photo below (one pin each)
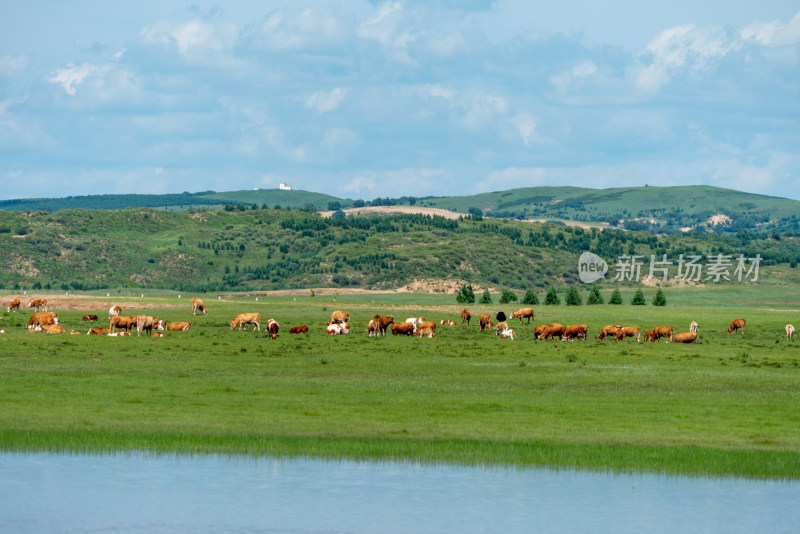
(272, 328)
(465, 316)
(649, 335)
(247, 318)
(39, 304)
(146, 323)
(198, 306)
(40, 319)
(372, 328)
(427, 328)
(53, 329)
(178, 326)
(522, 313)
(302, 329)
(609, 331)
(402, 328)
(628, 331)
(383, 322)
(736, 324)
(125, 322)
(89, 318)
(499, 327)
(157, 334)
(661, 331)
(685, 337)
(97, 332)
(485, 322)
(14, 305)
(552, 331)
(448, 322)
(538, 330)
(574, 331)
(340, 317)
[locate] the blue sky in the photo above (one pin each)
(372, 99)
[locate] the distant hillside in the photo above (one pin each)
(658, 210)
(654, 209)
(246, 249)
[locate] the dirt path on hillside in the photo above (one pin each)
(399, 209)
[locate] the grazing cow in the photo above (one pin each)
(39, 304)
(98, 332)
(628, 331)
(89, 318)
(416, 321)
(552, 331)
(427, 329)
(272, 328)
(14, 305)
(609, 331)
(336, 329)
(125, 322)
(736, 324)
(485, 322)
(522, 313)
(507, 333)
(340, 317)
(302, 329)
(499, 327)
(649, 335)
(178, 326)
(403, 329)
(447, 322)
(659, 332)
(146, 323)
(789, 332)
(39, 319)
(538, 330)
(685, 337)
(53, 329)
(198, 306)
(574, 331)
(465, 316)
(693, 326)
(114, 310)
(247, 318)
(383, 322)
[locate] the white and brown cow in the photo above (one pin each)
(114, 311)
(336, 329)
(38, 304)
(14, 305)
(40, 319)
(272, 328)
(198, 306)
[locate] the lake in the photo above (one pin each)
(138, 492)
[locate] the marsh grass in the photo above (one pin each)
(725, 406)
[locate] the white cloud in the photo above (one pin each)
(384, 27)
(193, 38)
(72, 75)
(308, 28)
(324, 101)
(526, 127)
(773, 33)
(581, 71)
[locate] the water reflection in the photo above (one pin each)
(148, 493)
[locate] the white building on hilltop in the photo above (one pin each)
(285, 187)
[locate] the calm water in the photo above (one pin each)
(51, 493)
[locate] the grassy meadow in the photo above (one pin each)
(726, 406)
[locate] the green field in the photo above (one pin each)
(726, 406)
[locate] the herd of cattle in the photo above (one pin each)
(119, 325)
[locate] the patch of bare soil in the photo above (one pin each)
(91, 304)
(398, 209)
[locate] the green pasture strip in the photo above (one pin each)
(726, 406)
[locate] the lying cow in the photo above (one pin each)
(302, 329)
(523, 313)
(53, 329)
(98, 332)
(628, 331)
(119, 334)
(89, 318)
(448, 322)
(337, 329)
(247, 318)
(685, 337)
(272, 328)
(574, 331)
(178, 326)
(737, 324)
(508, 333)
(609, 331)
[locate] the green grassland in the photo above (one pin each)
(726, 406)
